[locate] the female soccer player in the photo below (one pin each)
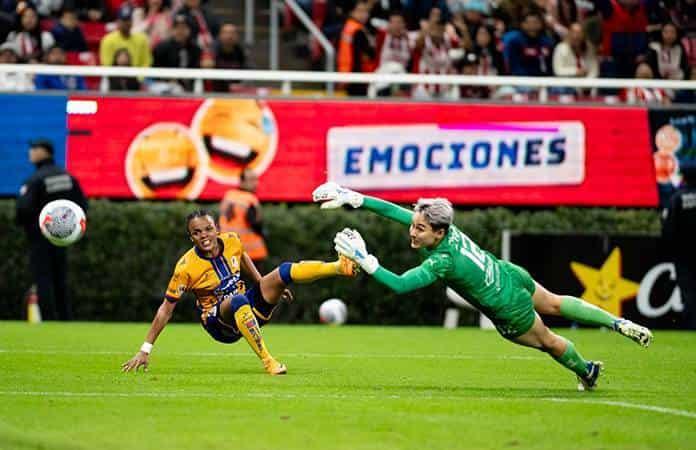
(211, 271)
(504, 292)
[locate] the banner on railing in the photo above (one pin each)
(528, 155)
(28, 117)
(629, 276)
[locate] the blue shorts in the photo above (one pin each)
(228, 333)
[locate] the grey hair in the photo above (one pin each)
(438, 212)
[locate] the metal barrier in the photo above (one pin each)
(286, 78)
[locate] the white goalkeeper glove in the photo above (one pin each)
(350, 244)
(332, 195)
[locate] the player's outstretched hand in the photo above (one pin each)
(332, 195)
(350, 244)
(139, 360)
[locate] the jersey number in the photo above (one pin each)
(474, 253)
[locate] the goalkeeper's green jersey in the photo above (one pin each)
(473, 273)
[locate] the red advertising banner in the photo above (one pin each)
(163, 148)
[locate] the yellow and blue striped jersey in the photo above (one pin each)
(209, 279)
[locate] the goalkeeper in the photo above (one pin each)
(504, 292)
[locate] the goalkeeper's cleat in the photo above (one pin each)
(274, 367)
(589, 381)
(347, 266)
(633, 331)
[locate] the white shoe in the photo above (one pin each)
(633, 331)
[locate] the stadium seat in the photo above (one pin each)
(94, 32)
(85, 59)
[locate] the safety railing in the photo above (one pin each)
(286, 78)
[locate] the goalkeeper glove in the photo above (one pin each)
(350, 244)
(332, 195)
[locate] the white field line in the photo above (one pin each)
(658, 409)
(290, 396)
(290, 355)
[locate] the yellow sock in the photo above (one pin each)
(249, 327)
(308, 271)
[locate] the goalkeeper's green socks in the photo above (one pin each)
(580, 311)
(572, 360)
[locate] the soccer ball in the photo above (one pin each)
(62, 222)
(333, 311)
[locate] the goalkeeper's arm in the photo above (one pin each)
(388, 209)
(412, 279)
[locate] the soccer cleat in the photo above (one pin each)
(633, 331)
(589, 381)
(274, 367)
(347, 266)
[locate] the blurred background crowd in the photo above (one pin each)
(563, 38)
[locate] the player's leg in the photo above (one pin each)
(562, 350)
(274, 283)
(237, 310)
(42, 271)
(573, 308)
(60, 288)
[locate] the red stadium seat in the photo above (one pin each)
(85, 59)
(94, 32)
(47, 24)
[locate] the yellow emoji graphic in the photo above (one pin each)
(605, 287)
(164, 161)
(236, 133)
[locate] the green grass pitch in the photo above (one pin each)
(347, 388)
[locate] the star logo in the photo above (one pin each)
(605, 287)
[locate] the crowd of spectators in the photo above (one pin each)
(137, 33)
(534, 38)
(537, 38)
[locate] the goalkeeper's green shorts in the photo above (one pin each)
(518, 315)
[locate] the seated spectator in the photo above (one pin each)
(204, 26)
(67, 32)
(56, 56)
(228, 55)
(123, 59)
(12, 81)
(89, 10)
(560, 15)
(646, 95)
(179, 51)
(417, 12)
(528, 51)
(683, 15)
(155, 20)
(27, 36)
(575, 56)
(136, 43)
(356, 47)
(667, 58)
(395, 46)
(624, 32)
(467, 17)
(490, 60)
(469, 64)
(433, 48)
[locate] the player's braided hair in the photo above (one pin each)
(437, 211)
(199, 213)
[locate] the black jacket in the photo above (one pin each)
(49, 182)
